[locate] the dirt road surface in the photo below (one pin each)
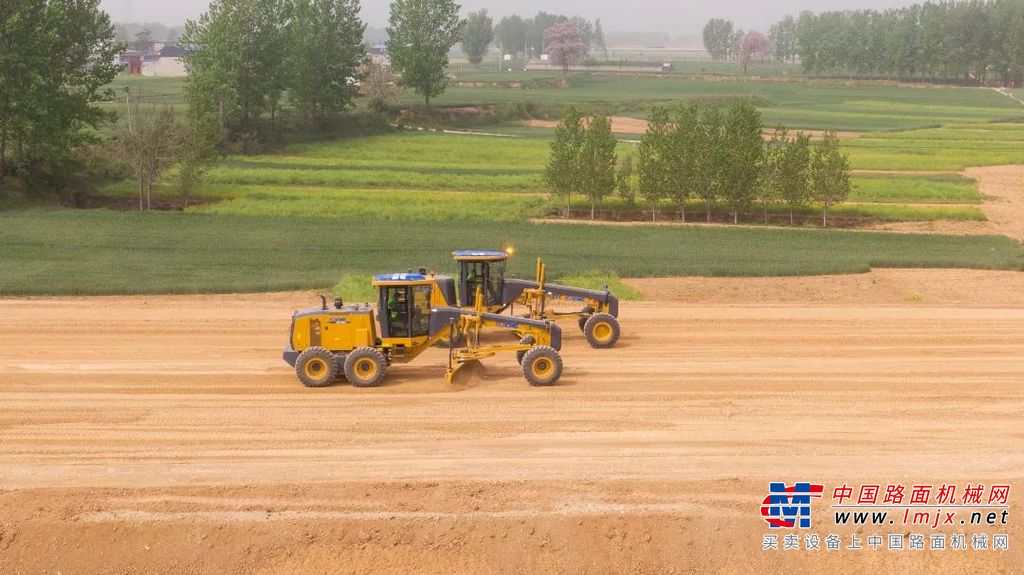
(144, 435)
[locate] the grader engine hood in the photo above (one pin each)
(513, 288)
(441, 318)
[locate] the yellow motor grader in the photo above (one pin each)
(484, 270)
(413, 313)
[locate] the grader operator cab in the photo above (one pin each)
(345, 342)
(484, 270)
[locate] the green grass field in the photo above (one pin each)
(101, 252)
(807, 105)
(412, 160)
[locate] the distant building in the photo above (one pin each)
(165, 61)
(131, 62)
(379, 54)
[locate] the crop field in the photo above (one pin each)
(807, 105)
(316, 214)
(493, 178)
(101, 252)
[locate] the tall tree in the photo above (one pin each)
(829, 175)
(783, 37)
(56, 57)
(597, 161)
(511, 34)
(718, 37)
(477, 35)
(711, 163)
(562, 174)
(686, 150)
(237, 66)
(625, 180)
(743, 147)
(565, 45)
(771, 184)
(653, 164)
(598, 43)
(324, 55)
(420, 34)
(793, 173)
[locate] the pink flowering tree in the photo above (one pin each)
(753, 45)
(564, 45)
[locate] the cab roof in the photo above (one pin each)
(479, 255)
(406, 279)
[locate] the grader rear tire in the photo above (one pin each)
(542, 366)
(602, 331)
(316, 367)
(365, 367)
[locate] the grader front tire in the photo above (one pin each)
(601, 331)
(542, 366)
(316, 367)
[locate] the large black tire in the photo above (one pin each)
(316, 367)
(365, 367)
(341, 357)
(601, 331)
(583, 323)
(542, 366)
(527, 340)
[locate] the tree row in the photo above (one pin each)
(698, 152)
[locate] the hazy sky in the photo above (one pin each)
(677, 18)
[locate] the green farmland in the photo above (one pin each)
(100, 252)
(311, 214)
(807, 105)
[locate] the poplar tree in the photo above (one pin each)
(710, 161)
(597, 161)
(562, 174)
(794, 172)
(654, 160)
(741, 153)
(829, 175)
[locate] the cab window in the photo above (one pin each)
(493, 290)
(420, 311)
(408, 311)
(397, 306)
